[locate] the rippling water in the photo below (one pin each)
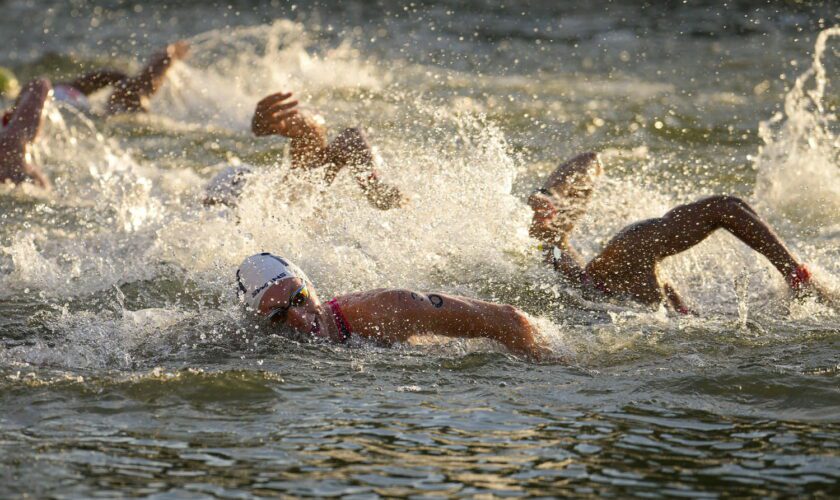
(127, 368)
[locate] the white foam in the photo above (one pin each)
(133, 218)
(798, 163)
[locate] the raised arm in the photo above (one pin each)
(25, 118)
(396, 315)
(276, 114)
(21, 131)
(558, 205)
(96, 80)
(131, 94)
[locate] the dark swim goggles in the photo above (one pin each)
(296, 299)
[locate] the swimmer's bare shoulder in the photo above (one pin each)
(394, 315)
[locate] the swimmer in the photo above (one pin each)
(279, 292)
(627, 266)
(20, 132)
(276, 114)
(20, 124)
(131, 93)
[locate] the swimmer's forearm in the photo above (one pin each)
(566, 261)
(91, 82)
(677, 303)
(150, 78)
(26, 119)
(309, 151)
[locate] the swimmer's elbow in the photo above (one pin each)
(517, 320)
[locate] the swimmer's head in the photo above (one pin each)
(258, 273)
(226, 187)
(9, 86)
(277, 289)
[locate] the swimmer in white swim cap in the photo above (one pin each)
(226, 187)
(277, 290)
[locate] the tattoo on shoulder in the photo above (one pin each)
(436, 300)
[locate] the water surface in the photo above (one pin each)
(128, 369)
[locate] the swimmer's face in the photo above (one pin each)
(294, 303)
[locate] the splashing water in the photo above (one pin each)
(128, 366)
(139, 217)
(798, 163)
(227, 73)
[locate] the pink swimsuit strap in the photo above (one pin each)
(340, 321)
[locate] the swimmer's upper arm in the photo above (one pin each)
(405, 313)
(444, 314)
(408, 312)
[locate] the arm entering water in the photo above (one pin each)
(21, 131)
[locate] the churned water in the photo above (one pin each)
(127, 367)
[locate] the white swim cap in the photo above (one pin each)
(72, 96)
(227, 185)
(259, 272)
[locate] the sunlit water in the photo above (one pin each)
(127, 365)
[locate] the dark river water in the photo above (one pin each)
(128, 368)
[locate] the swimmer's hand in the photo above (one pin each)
(385, 197)
(178, 50)
(277, 115)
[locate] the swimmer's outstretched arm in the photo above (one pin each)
(628, 262)
(130, 93)
(399, 314)
(97, 80)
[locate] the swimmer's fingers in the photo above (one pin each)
(285, 121)
(264, 121)
(284, 115)
(281, 107)
(271, 100)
